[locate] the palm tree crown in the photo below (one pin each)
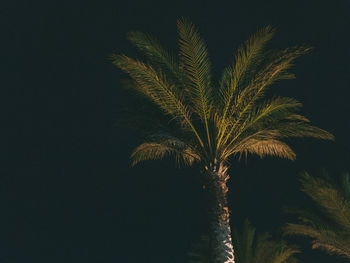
(216, 120)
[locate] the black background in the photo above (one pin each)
(68, 193)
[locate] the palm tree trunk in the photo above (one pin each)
(220, 231)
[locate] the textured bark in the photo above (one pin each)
(220, 231)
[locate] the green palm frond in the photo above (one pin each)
(272, 110)
(267, 112)
(322, 237)
(269, 74)
(157, 55)
(262, 148)
(243, 242)
(264, 248)
(302, 129)
(160, 146)
(137, 112)
(196, 66)
(253, 247)
(248, 55)
(155, 87)
(328, 225)
(285, 254)
(329, 198)
(246, 100)
(345, 185)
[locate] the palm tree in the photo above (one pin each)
(207, 123)
(250, 247)
(328, 225)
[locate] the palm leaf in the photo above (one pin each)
(262, 148)
(161, 146)
(248, 55)
(269, 111)
(253, 247)
(157, 89)
(196, 66)
(331, 230)
(245, 101)
(159, 57)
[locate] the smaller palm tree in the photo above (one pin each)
(253, 247)
(328, 225)
(250, 247)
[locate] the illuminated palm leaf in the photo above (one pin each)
(233, 77)
(196, 68)
(160, 146)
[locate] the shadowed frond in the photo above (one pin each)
(244, 242)
(328, 224)
(161, 146)
(137, 112)
(159, 57)
(329, 198)
(322, 237)
(253, 247)
(155, 87)
(285, 254)
(302, 129)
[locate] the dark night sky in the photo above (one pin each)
(68, 193)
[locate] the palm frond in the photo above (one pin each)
(328, 198)
(302, 129)
(136, 112)
(285, 253)
(264, 248)
(269, 111)
(161, 146)
(253, 247)
(331, 230)
(248, 55)
(196, 66)
(322, 237)
(264, 147)
(275, 70)
(157, 89)
(157, 55)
